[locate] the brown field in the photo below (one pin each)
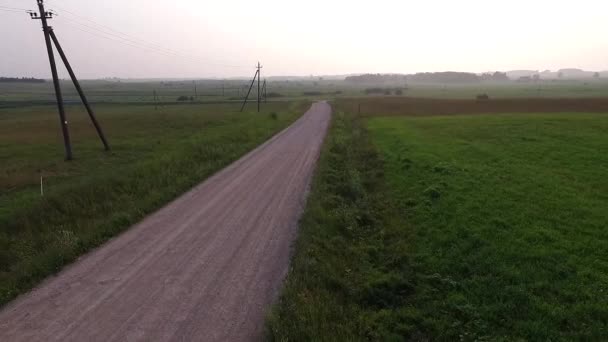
(388, 106)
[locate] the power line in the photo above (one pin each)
(93, 25)
(14, 8)
(111, 29)
(10, 11)
(133, 43)
(101, 34)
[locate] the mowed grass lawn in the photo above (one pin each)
(508, 221)
(156, 155)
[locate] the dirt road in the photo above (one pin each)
(204, 268)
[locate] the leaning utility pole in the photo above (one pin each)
(43, 16)
(49, 35)
(257, 75)
(85, 102)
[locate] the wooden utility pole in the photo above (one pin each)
(249, 91)
(257, 75)
(43, 16)
(83, 98)
(49, 35)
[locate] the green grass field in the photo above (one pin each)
(485, 227)
(156, 155)
(508, 217)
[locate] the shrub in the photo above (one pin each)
(312, 93)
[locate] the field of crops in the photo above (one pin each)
(458, 227)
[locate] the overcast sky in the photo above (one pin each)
(221, 38)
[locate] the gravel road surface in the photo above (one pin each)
(206, 267)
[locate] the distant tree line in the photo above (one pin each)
(495, 77)
(376, 78)
(444, 77)
(428, 77)
(383, 91)
(21, 80)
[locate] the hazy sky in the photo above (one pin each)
(226, 38)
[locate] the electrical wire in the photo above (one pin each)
(109, 36)
(97, 34)
(13, 8)
(92, 31)
(111, 29)
(130, 40)
(12, 11)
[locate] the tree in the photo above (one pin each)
(596, 75)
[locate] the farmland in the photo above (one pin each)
(157, 154)
(432, 215)
(167, 91)
(443, 225)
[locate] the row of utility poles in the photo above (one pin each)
(224, 90)
(50, 39)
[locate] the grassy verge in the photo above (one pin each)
(156, 156)
(453, 228)
(349, 271)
